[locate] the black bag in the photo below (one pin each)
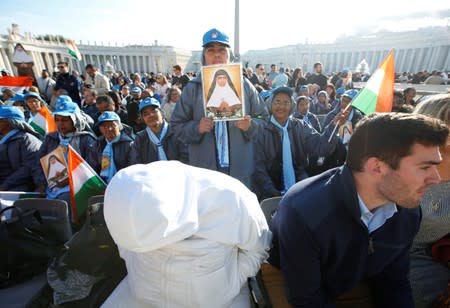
(92, 250)
(91, 256)
(25, 250)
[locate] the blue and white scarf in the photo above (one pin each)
(158, 141)
(221, 134)
(108, 165)
(10, 134)
(288, 166)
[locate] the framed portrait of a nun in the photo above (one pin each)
(223, 93)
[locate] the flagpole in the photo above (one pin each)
(337, 123)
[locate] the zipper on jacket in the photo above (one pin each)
(370, 248)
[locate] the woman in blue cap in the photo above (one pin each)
(72, 129)
(114, 146)
(225, 146)
(156, 141)
(19, 146)
(284, 145)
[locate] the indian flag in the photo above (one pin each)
(84, 183)
(73, 50)
(15, 83)
(378, 94)
(43, 121)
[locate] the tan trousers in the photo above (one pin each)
(359, 296)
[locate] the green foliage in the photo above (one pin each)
(52, 38)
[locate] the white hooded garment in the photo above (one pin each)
(190, 237)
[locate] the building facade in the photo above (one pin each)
(425, 49)
(130, 59)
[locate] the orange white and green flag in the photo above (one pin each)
(73, 50)
(43, 121)
(15, 83)
(378, 93)
(84, 183)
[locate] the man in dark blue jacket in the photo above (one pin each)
(345, 234)
(68, 82)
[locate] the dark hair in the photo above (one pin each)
(408, 89)
(115, 97)
(104, 99)
(391, 136)
(177, 67)
(317, 64)
(90, 66)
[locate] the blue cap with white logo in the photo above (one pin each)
(136, 90)
(108, 116)
(350, 93)
(65, 107)
(149, 101)
(215, 36)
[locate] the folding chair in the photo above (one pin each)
(55, 215)
(269, 207)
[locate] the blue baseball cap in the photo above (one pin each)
(265, 94)
(350, 93)
(108, 116)
(136, 90)
(17, 98)
(11, 112)
(286, 90)
(147, 102)
(303, 88)
(33, 94)
(215, 36)
(340, 90)
(65, 107)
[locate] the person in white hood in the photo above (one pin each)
(190, 237)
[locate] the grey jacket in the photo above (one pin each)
(202, 150)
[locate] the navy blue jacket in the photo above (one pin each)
(305, 142)
(121, 150)
(71, 84)
(325, 250)
(312, 120)
(18, 157)
(144, 151)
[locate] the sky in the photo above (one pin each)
(182, 23)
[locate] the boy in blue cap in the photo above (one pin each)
(222, 146)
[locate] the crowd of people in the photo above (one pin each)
(351, 183)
